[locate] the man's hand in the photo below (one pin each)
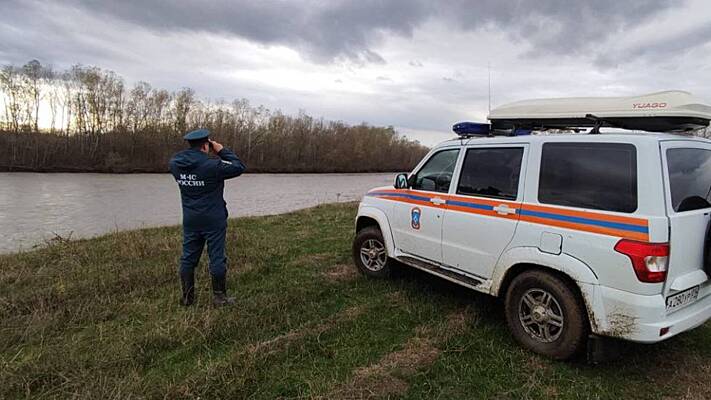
(216, 147)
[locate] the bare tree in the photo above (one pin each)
(11, 83)
(32, 85)
(183, 102)
(95, 111)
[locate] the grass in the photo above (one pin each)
(99, 318)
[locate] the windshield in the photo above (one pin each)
(689, 178)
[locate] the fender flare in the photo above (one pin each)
(379, 216)
(577, 270)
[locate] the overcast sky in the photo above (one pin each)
(418, 65)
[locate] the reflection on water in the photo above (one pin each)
(35, 207)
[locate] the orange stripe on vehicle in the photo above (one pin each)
(585, 221)
(586, 214)
(411, 201)
(489, 202)
(587, 228)
(490, 213)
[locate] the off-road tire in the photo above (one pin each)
(365, 236)
(572, 338)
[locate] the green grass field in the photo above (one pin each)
(100, 319)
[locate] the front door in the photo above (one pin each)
(482, 213)
(418, 211)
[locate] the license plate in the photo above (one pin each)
(679, 300)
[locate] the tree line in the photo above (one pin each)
(86, 119)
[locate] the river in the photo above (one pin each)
(36, 207)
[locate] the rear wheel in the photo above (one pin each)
(369, 253)
(546, 315)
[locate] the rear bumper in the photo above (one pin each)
(639, 318)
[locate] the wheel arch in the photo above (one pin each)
(518, 269)
(518, 260)
(371, 216)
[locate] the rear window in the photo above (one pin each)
(601, 176)
(689, 178)
(491, 172)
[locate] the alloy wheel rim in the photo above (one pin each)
(373, 255)
(540, 315)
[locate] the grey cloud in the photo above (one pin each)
(662, 47)
(36, 38)
(557, 26)
(325, 31)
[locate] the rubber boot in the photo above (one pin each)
(219, 292)
(187, 281)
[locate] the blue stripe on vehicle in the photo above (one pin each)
(470, 205)
(586, 221)
(403, 195)
(524, 212)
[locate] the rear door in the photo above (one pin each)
(481, 215)
(688, 190)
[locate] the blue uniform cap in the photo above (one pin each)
(197, 135)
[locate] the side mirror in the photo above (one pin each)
(401, 181)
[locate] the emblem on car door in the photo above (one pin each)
(415, 221)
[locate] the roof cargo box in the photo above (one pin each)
(669, 111)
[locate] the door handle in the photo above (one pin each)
(504, 209)
(438, 201)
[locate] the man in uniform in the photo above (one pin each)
(201, 182)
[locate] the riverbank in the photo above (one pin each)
(99, 318)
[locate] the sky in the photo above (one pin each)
(418, 65)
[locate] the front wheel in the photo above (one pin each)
(369, 253)
(546, 315)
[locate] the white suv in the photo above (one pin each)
(578, 233)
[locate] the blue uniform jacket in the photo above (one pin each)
(201, 182)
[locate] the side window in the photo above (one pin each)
(491, 172)
(601, 176)
(436, 174)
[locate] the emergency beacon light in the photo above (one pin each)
(468, 129)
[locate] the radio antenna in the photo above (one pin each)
(489, 70)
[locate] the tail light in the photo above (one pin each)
(649, 260)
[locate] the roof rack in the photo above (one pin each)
(669, 111)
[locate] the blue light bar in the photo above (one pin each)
(471, 129)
